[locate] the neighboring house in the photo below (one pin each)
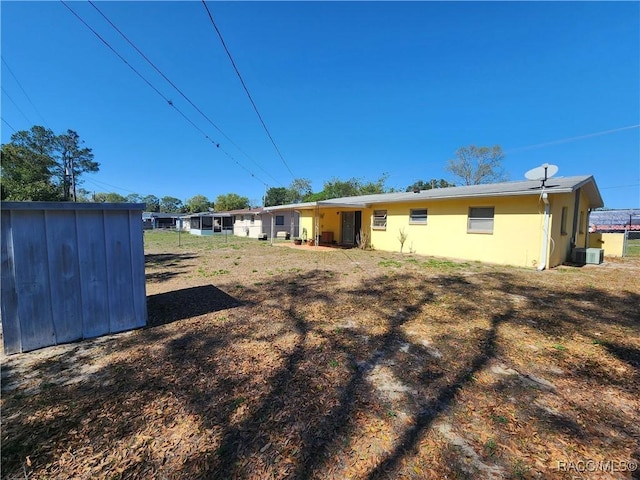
(152, 220)
(513, 223)
(614, 220)
(256, 222)
(209, 223)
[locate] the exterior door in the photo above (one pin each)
(348, 228)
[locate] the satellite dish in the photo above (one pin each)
(542, 173)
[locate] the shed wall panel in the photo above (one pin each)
(138, 275)
(64, 274)
(121, 304)
(32, 279)
(70, 271)
(92, 260)
(10, 329)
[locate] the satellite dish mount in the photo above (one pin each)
(542, 173)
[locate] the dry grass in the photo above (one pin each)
(264, 362)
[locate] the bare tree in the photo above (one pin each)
(476, 165)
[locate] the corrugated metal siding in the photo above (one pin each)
(70, 271)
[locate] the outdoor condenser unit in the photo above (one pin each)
(592, 256)
(595, 256)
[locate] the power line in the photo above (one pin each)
(8, 125)
(24, 91)
(570, 139)
(100, 184)
(246, 89)
(177, 89)
(16, 105)
(169, 102)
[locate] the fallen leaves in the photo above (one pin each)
(319, 374)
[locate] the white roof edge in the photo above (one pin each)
(478, 195)
(205, 214)
(291, 206)
(343, 204)
(600, 202)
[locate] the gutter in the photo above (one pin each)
(545, 232)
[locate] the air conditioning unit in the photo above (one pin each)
(595, 256)
(579, 255)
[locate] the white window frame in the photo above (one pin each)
(416, 218)
(479, 221)
(379, 220)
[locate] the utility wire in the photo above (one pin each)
(16, 105)
(8, 125)
(177, 89)
(25, 92)
(170, 102)
(101, 184)
(246, 89)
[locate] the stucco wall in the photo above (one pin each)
(290, 223)
(244, 227)
(559, 243)
(515, 240)
(330, 220)
(612, 243)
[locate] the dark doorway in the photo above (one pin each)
(351, 225)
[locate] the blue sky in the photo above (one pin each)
(347, 89)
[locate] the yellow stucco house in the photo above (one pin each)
(513, 223)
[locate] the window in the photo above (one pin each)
(418, 215)
(480, 220)
(253, 219)
(279, 219)
(563, 221)
(380, 219)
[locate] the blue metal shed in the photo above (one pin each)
(70, 271)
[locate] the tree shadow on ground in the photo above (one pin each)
(167, 259)
(281, 385)
(172, 265)
(190, 302)
(626, 354)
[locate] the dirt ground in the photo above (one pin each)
(264, 362)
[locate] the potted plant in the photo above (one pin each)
(297, 241)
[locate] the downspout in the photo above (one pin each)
(272, 227)
(545, 232)
(588, 231)
(316, 227)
